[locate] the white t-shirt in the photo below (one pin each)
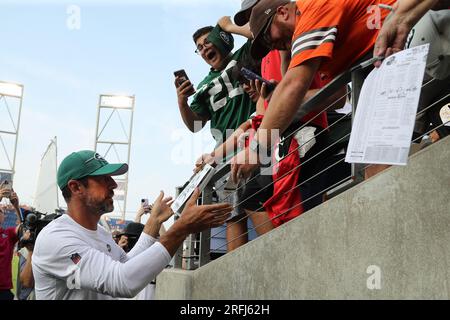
(72, 262)
(148, 293)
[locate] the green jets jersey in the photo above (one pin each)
(221, 97)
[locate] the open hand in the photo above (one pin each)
(198, 218)
(161, 210)
(206, 158)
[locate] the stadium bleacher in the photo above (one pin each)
(10, 219)
(117, 224)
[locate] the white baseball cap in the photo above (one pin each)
(434, 28)
(241, 18)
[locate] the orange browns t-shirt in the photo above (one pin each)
(342, 31)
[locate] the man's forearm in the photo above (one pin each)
(18, 213)
(189, 117)
(413, 10)
(173, 238)
(152, 227)
(230, 145)
(333, 102)
(285, 100)
(227, 25)
(242, 31)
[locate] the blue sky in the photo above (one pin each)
(122, 47)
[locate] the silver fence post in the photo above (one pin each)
(205, 241)
(358, 78)
(189, 253)
(178, 258)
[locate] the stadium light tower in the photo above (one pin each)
(111, 112)
(11, 95)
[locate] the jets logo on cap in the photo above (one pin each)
(268, 11)
(99, 157)
(225, 37)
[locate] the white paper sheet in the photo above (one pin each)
(387, 107)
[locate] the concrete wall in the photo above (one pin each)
(398, 222)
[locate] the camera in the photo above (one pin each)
(34, 222)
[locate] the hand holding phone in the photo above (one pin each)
(6, 189)
(250, 75)
(145, 205)
(180, 78)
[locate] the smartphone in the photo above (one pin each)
(250, 75)
(182, 76)
(145, 205)
(6, 185)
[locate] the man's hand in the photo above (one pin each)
(14, 200)
(261, 88)
(123, 242)
(206, 158)
(196, 218)
(142, 210)
(26, 237)
(4, 193)
(243, 165)
(184, 90)
(161, 210)
(394, 33)
(225, 23)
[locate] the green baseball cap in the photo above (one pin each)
(87, 163)
(222, 40)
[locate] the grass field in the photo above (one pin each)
(15, 261)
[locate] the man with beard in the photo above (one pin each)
(75, 258)
(325, 36)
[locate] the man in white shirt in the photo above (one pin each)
(75, 258)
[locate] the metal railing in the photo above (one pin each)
(198, 247)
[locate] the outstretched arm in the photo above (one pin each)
(395, 30)
(279, 114)
(226, 148)
(190, 118)
(194, 219)
(15, 203)
(227, 25)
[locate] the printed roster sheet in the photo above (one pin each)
(384, 122)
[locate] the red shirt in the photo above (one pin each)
(271, 70)
(8, 239)
(285, 204)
